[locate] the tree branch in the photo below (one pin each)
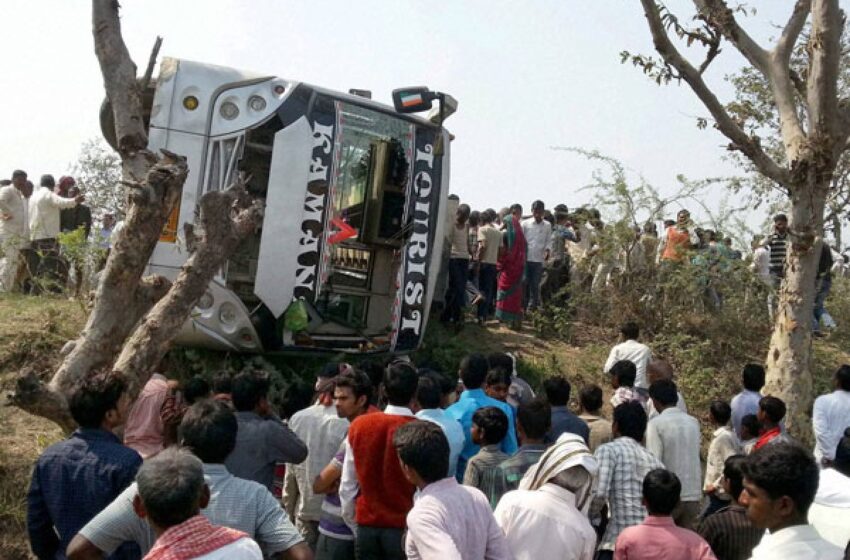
(719, 16)
(151, 63)
(119, 77)
(785, 45)
(749, 146)
(825, 118)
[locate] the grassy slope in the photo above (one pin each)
(32, 331)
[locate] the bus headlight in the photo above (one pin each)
(229, 110)
(205, 302)
(227, 314)
(256, 103)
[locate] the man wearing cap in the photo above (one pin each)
(546, 517)
(44, 207)
(14, 228)
(322, 431)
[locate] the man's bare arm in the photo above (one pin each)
(82, 549)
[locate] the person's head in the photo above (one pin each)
(534, 418)
(400, 381)
(629, 420)
(109, 220)
(841, 463)
(99, 400)
(171, 489)
(753, 377)
(557, 389)
(649, 228)
(630, 331)
(28, 189)
(780, 482)
(488, 216)
(352, 393)
(720, 412)
(47, 181)
(537, 210)
(196, 389)
(462, 213)
(661, 491)
(771, 411)
(497, 384)
(5, 182)
(780, 224)
(423, 452)
(516, 211)
(473, 371)
(65, 184)
(474, 218)
(590, 398)
(733, 476)
(842, 378)
(428, 392)
(669, 223)
(489, 426)
(251, 392)
(73, 191)
(623, 374)
(750, 427)
(19, 178)
(683, 217)
(657, 370)
(728, 242)
(222, 383)
(664, 394)
(375, 371)
(209, 429)
(501, 360)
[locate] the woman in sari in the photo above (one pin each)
(511, 265)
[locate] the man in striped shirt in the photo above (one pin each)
(778, 246)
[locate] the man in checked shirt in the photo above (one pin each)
(623, 464)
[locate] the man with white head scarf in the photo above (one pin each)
(546, 517)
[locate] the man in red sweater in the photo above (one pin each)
(374, 491)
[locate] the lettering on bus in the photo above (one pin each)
(425, 197)
(313, 217)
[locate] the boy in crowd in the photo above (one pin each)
(724, 444)
(780, 482)
(747, 401)
(448, 520)
(533, 421)
(520, 391)
(750, 430)
(633, 351)
(623, 375)
(590, 398)
(75, 479)
(770, 414)
(498, 384)
(558, 390)
(172, 493)
(658, 536)
(489, 426)
(729, 532)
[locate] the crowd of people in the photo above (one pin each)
(393, 461)
(506, 264)
(31, 221)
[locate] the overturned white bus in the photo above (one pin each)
(355, 197)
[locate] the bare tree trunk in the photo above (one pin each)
(789, 357)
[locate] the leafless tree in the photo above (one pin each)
(134, 317)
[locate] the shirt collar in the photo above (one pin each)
(721, 430)
(559, 409)
(492, 448)
(659, 521)
(558, 492)
(398, 410)
(795, 533)
(442, 485)
(216, 469)
(472, 393)
(671, 410)
(532, 447)
(90, 434)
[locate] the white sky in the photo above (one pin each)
(527, 75)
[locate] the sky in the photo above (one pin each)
(527, 75)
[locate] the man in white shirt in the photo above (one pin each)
(780, 482)
(633, 351)
(322, 431)
(546, 517)
(44, 207)
(14, 228)
(830, 512)
(674, 437)
(538, 236)
(831, 416)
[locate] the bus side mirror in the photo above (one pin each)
(413, 99)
